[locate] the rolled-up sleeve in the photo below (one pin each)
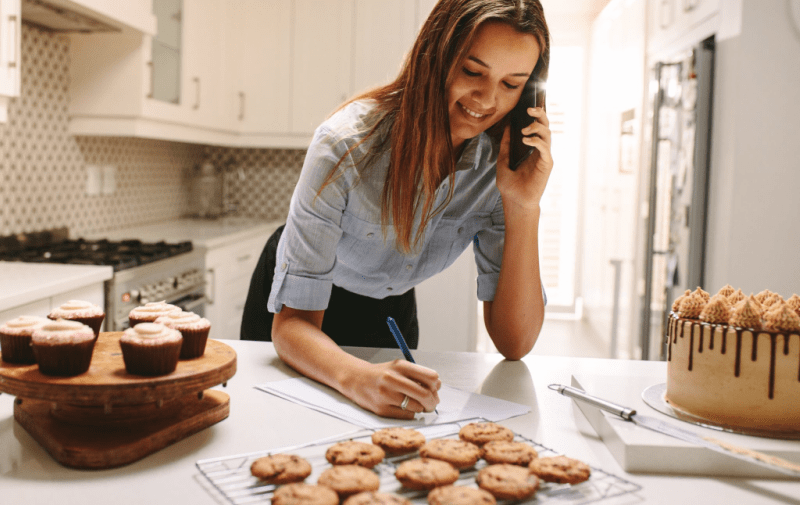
(307, 250)
(488, 248)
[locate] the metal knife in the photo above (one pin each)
(651, 423)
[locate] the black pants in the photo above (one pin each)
(350, 319)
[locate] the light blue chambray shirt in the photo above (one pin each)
(336, 237)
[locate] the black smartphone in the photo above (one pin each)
(532, 96)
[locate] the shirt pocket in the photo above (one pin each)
(462, 233)
(362, 247)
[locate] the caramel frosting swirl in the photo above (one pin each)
(772, 300)
(22, 325)
(676, 305)
(747, 314)
(717, 310)
(782, 318)
(183, 320)
(150, 334)
(794, 303)
(692, 306)
(76, 308)
(763, 296)
(702, 294)
(154, 309)
(62, 331)
(736, 297)
(726, 290)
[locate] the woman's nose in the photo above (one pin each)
(485, 95)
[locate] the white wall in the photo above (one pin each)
(753, 241)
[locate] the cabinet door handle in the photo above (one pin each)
(243, 258)
(210, 286)
(690, 5)
(152, 79)
(12, 41)
(241, 105)
(665, 15)
(197, 96)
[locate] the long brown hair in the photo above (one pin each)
(415, 105)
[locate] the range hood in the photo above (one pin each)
(60, 17)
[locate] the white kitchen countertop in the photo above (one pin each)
(204, 233)
(260, 421)
(23, 283)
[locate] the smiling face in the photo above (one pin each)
(487, 85)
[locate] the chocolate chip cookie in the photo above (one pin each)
(398, 440)
(280, 468)
(355, 453)
(373, 498)
(560, 469)
(424, 474)
(482, 433)
(460, 495)
(348, 480)
(458, 453)
(507, 482)
(513, 453)
(304, 494)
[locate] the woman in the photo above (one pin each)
(395, 185)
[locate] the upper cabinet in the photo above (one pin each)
(9, 54)
(671, 20)
(246, 73)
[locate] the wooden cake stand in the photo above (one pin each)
(106, 417)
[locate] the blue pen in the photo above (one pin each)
(401, 342)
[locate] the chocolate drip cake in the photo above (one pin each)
(734, 360)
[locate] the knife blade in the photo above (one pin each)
(759, 458)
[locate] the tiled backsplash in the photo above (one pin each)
(43, 168)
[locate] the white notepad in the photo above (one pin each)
(455, 405)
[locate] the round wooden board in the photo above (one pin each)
(107, 383)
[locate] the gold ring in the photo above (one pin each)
(404, 403)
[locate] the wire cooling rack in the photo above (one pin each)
(231, 477)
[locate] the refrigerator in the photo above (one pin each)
(675, 192)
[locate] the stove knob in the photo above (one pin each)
(135, 296)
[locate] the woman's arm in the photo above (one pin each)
(515, 316)
(379, 387)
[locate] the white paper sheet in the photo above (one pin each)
(455, 405)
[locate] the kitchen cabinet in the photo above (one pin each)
(669, 20)
(112, 83)
(257, 67)
(228, 272)
(9, 54)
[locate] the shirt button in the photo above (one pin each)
(283, 267)
(370, 234)
(460, 230)
(388, 289)
(409, 267)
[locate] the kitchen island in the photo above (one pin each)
(259, 421)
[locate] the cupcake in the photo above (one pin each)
(15, 339)
(63, 347)
(84, 312)
(150, 349)
(193, 328)
(149, 312)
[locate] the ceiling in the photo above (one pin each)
(567, 8)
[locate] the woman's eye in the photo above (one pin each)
(510, 86)
(471, 73)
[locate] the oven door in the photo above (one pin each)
(193, 302)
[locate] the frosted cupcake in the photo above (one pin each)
(78, 310)
(193, 328)
(15, 339)
(149, 312)
(150, 349)
(63, 347)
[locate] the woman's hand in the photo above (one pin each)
(525, 186)
(382, 387)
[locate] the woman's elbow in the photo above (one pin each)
(516, 347)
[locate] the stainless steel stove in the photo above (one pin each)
(143, 271)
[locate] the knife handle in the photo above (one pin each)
(618, 410)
